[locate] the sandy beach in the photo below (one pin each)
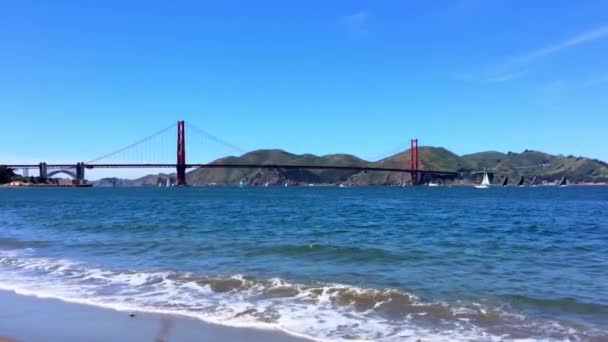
(27, 318)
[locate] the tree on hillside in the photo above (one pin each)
(6, 174)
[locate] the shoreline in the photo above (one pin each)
(458, 185)
(32, 318)
(47, 186)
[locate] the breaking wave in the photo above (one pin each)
(320, 311)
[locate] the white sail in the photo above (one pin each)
(485, 183)
(486, 179)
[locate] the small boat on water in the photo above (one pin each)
(485, 183)
(533, 182)
(521, 182)
(505, 182)
(563, 182)
(432, 184)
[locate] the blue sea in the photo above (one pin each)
(358, 263)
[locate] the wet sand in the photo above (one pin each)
(27, 318)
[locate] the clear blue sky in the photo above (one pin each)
(78, 79)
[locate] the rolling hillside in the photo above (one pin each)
(430, 158)
(528, 163)
(544, 166)
(257, 176)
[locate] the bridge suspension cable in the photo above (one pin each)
(190, 126)
(389, 153)
(133, 145)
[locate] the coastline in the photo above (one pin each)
(30, 318)
(27, 185)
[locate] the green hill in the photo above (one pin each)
(257, 176)
(148, 180)
(542, 165)
(528, 164)
(429, 158)
(484, 160)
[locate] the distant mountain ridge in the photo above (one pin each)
(545, 166)
(527, 163)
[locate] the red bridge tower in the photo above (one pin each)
(414, 161)
(181, 153)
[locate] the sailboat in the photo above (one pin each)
(521, 182)
(168, 182)
(563, 182)
(506, 181)
(533, 182)
(485, 183)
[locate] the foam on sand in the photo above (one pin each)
(322, 311)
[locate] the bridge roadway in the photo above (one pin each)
(241, 166)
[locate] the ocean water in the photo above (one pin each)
(359, 263)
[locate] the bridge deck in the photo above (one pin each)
(242, 166)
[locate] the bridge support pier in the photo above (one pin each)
(80, 171)
(414, 174)
(181, 154)
(42, 171)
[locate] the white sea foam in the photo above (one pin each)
(324, 312)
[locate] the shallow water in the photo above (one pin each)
(371, 263)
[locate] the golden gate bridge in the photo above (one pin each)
(77, 170)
